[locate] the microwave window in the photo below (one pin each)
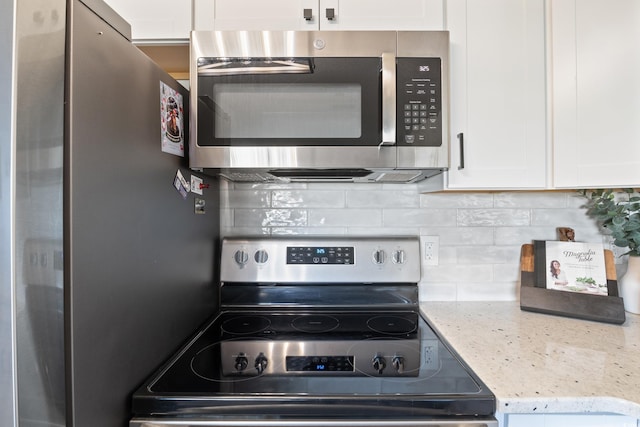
(276, 110)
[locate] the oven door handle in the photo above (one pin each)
(388, 99)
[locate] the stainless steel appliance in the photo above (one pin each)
(316, 331)
(361, 106)
(104, 266)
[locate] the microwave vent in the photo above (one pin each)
(399, 176)
(248, 176)
(284, 176)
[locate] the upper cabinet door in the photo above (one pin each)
(318, 15)
(382, 15)
(155, 20)
(498, 94)
(596, 93)
(261, 15)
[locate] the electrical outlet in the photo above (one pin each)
(431, 248)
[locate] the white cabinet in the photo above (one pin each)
(596, 93)
(568, 420)
(319, 15)
(155, 19)
(498, 94)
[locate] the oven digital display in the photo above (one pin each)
(319, 363)
(320, 255)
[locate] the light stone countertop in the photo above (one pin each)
(539, 363)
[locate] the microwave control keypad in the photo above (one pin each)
(420, 102)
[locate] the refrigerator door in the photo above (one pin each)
(36, 174)
(139, 268)
(104, 267)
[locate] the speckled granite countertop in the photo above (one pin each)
(538, 363)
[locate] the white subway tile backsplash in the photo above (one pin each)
(308, 199)
(312, 231)
(433, 291)
(557, 217)
(384, 231)
(226, 217)
(246, 198)
(383, 199)
(419, 217)
(457, 236)
(480, 233)
(457, 200)
(576, 200)
(244, 231)
(494, 217)
(447, 255)
(270, 217)
(458, 273)
(507, 272)
(488, 254)
(345, 217)
(521, 235)
(540, 199)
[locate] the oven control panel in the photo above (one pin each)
(319, 363)
(320, 255)
(378, 358)
(321, 260)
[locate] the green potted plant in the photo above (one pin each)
(618, 211)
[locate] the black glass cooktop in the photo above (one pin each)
(192, 382)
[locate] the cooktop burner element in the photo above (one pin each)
(243, 325)
(315, 323)
(298, 338)
(391, 325)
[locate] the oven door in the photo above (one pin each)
(195, 422)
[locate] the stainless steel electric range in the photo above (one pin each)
(316, 331)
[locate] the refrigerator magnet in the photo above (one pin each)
(171, 120)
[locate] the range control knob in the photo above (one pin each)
(398, 364)
(399, 256)
(241, 257)
(241, 362)
(261, 256)
(379, 364)
(261, 363)
(379, 257)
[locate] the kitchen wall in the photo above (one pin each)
(480, 233)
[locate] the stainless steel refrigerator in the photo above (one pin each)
(106, 257)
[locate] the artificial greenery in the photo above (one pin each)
(619, 212)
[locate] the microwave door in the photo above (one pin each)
(315, 102)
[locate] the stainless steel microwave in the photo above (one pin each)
(286, 106)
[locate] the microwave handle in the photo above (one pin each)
(388, 99)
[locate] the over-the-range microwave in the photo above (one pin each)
(291, 106)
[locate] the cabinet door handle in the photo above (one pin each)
(307, 14)
(461, 139)
(331, 14)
